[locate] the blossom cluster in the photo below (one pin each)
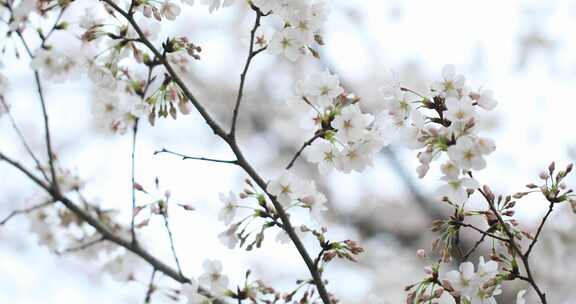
(289, 190)
(478, 287)
(443, 122)
(301, 22)
(347, 138)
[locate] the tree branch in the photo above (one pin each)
(251, 55)
(24, 211)
(186, 157)
(22, 139)
(514, 245)
(104, 230)
(306, 144)
(540, 227)
(242, 162)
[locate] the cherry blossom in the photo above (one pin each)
(228, 237)
(456, 189)
(325, 154)
(286, 188)
(216, 4)
(54, 65)
(351, 123)
(213, 277)
(450, 83)
(466, 154)
(285, 42)
(228, 211)
(170, 10)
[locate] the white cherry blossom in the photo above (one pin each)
(228, 237)
(286, 42)
(286, 188)
(213, 277)
(351, 123)
(214, 5)
(228, 211)
(450, 83)
(466, 154)
(325, 154)
(170, 10)
(455, 189)
(485, 99)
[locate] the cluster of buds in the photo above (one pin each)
(347, 249)
(173, 45)
(158, 205)
(166, 99)
(427, 290)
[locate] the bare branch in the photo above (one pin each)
(22, 139)
(81, 246)
(186, 157)
(306, 144)
(540, 227)
(133, 181)
(251, 55)
(24, 211)
(171, 238)
(151, 287)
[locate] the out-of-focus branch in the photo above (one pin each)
(22, 139)
(24, 211)
(101, 228)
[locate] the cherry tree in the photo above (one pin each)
(139, 77)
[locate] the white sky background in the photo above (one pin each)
(482, 38)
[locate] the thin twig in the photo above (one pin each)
(47, 136)
(480, 241)
(151, 288)
(186, 157)
(540, 227)
(481, 231)
(515, 247)
(251, 55)
(169, 231)
(133, 181)
(24, 211)
(22, 139)
(306, 144)
(82, 246)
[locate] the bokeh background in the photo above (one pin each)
(522, 50)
